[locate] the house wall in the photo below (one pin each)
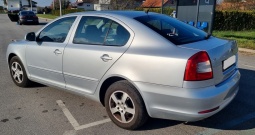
(86, 6)
(100, 7)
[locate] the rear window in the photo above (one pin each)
(174, 30)
(27, 13)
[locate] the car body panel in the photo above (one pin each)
(44, 64)
(184, 104)
(218, 50)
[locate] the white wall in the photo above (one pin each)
(86, 6)
(100, 7)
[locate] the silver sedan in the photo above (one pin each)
(137, 64)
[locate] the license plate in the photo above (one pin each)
(229, 62)
(29, 20)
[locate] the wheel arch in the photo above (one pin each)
(108, 82)
(10, 56)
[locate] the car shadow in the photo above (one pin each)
(36, 85)
(153, 123)
(238, 115)
(41, 23)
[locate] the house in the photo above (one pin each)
(158, 3)
(93, 4)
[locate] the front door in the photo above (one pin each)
(44, 57)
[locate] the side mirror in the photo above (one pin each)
(30, 36)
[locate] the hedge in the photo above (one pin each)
(234, 20)
(65, 11)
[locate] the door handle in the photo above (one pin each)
(57, 52)
(106, 57)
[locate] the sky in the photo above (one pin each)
(40, 3)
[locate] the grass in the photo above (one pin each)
(49, 16)
(245, 39)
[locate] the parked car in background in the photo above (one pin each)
(27, 17)
(136, 64)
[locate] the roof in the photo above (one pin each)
(153, 3)
(129, 14)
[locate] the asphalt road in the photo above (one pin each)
(34, 111)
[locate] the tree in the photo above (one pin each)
(64, 4)
(233, 1)
(5, 2)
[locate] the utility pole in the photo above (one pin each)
(31, 4)
(162, 2)
(60, 8)
(53, 5)
(198, 3)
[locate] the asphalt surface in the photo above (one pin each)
(34, 111)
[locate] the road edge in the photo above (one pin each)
(246, 50)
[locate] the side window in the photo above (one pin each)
(57, 31)
(117, 35)
(92, 30)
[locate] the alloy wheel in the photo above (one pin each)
(17, 72)
(122, 106)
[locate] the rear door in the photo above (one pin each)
(96, 44)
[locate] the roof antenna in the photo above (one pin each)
(147, 11)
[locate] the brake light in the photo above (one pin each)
(23, 17)
(198, 67)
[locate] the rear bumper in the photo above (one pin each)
(184, 104)
(29, 20)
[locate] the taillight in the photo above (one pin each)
(198, 67)
(35, 17)
(23, 17)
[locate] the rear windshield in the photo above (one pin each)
(174, 30)
(27, 13)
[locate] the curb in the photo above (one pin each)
(246, 50)
(47, 19)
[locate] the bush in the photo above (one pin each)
(65, 11)
(234, 20)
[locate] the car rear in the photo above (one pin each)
(28, 17)
(210, 78)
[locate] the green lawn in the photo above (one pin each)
(245, 39)
(49, 16)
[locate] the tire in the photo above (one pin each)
(128, 112)
(19, 22)
(18, 72)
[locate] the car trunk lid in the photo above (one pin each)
(223, 56)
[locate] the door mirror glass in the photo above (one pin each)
(30, 36)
